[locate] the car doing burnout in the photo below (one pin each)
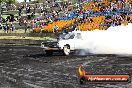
(66, 43)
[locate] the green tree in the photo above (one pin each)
(7, 2)
(10, 1)
(0, 5)
(2, 1)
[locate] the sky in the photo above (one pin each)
(20, 0)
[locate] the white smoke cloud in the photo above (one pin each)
(114, 40)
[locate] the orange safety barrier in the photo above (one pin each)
(36, 29)
(59, 23)
(97, 20)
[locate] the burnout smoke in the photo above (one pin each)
(114, 40)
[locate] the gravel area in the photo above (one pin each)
(26, 66)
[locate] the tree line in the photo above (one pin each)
(8, 1)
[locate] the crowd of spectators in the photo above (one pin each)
(51, 11)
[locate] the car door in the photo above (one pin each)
(71, 41)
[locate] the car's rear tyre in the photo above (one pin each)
(48, 52)
(66, 50)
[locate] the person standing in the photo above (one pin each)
(25, 25)
(33, 23)
(12, 27)
(55, 29)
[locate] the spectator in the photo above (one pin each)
(25, 25)
(12, 27)
(28, 8)
(50, 20)
(11, 18)
(1, 26)
(33, 23)
(1, 19)
(6, 28)
(55, 28)
(19, 10)
(64, 30)
(33, 15)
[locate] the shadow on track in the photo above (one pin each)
(39, 55)
(36, 55)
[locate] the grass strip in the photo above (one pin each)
(28, 38)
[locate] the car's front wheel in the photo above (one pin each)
(66, 50)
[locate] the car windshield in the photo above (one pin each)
(67, 36)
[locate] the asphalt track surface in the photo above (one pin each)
(23, 66)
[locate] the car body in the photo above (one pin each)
(66, 43)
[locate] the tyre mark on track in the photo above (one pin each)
(56, 73)
(32, 85)
(96, 60)
(69, 61)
